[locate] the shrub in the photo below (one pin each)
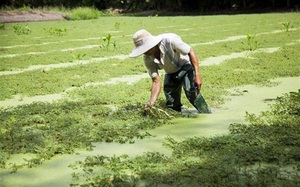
(83, 13)
(2, 26)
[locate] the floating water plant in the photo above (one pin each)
(19, 29)
(251, 43)
(46, 130)
(107, 42)
(117, 25)
(263, 153)
(286, 26)
(56, 31)
(43, 130)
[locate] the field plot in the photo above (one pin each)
(69, 87)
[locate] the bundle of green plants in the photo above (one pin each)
(82, 13)
(264, 152)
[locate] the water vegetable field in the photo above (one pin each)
(71, 104)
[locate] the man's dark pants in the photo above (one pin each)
(173, 83)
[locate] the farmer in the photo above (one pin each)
(179, 61)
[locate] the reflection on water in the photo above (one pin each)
(252, 99)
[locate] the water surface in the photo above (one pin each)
(252, 99)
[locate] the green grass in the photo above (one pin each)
(45, 129)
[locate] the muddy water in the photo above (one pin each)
(253, 99)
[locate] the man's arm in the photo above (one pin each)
(155, 90)
(195, 63)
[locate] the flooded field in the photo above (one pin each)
(252, 99)
(62, 90)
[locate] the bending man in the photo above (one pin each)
(179, 61)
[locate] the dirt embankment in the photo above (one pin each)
(32, 15)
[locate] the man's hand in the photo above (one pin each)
(155, 90)
(198, 83)
(148, 106)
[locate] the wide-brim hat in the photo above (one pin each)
(143, 41)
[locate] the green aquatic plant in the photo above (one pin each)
(46, 130)
(78, 57)
(251, 43)
(51, 51)
(286, 26)
(262, 153)
(117, 25)
(19, 29)
(107, 42)
(56, 31)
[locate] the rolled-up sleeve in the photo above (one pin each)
(151, 67)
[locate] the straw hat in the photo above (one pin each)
(143, 41)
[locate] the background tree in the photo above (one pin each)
(171, 5)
